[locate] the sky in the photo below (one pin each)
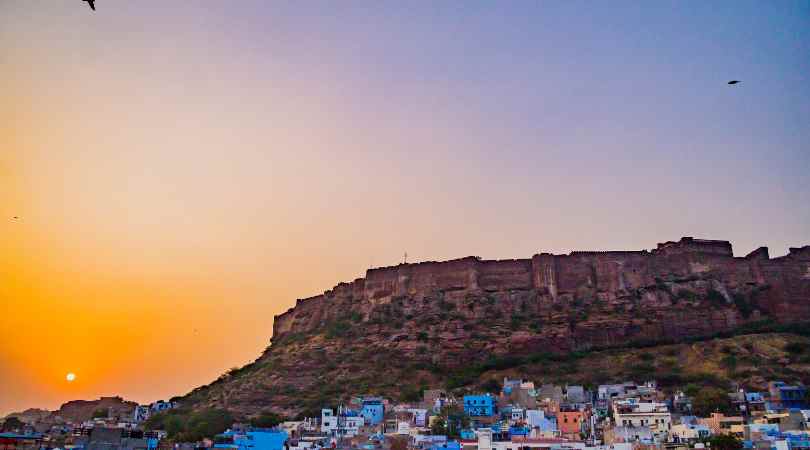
(184, 170)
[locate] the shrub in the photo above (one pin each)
(267, 419)
(685, 294)
(185, 425)
(715, 298)
(795, 348)
(410, 394)
(729, 362)
(337, 329)
(491, 385)
(709, 400)
(743, 305)
(447, 306)
(725, 442)
(642, 370)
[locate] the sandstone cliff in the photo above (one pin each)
(422, 323)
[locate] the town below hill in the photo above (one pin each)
(517, 415)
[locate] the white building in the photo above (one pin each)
(344, 424)
(403, 427)
(419, 416)
(140, 413)
(654, 415)
(687, 432)
(486, 442)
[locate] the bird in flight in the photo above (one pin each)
(734, 82)
(92, 4)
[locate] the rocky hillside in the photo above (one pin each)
(457, 322)
(77, 411)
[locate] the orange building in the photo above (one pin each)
(570, 422)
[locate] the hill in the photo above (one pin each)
(686, 312)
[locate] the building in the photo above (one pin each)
(576, 394)
(719, 423)
(419, 416)
(253, 438)
(632, 413)
(550, 392)
(784, 396)
(479, 405)
(622, 434)
(20, 441)
(690, 432)
(346, 423)
(541, 424)
(372, 410)
(103, 438)
(434, 399)
(571, 422)
(760, 431)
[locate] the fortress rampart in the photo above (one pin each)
(616, 273)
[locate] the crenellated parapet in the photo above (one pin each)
(553, 278)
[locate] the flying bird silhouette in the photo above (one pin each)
(734, 82)
(92, 4)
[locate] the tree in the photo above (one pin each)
(12, 424)
(267, 419)
(188, 426)
(410, 394)
(709, 400)
(725, 442)
(492, 385)
(439, 426)
(100, 413)
(450, 421)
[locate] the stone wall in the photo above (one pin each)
(780, 286)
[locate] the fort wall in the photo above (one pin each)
(783, 283)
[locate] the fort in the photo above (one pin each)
(782, 284)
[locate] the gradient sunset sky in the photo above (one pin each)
(185, 169)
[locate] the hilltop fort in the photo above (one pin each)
(688, 268)
(455, 322)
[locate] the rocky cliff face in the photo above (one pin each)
(78, 411)
(417, 323)
(632, 295)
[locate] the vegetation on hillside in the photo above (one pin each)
(190, 426)
(298, 378)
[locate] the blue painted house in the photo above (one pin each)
(373, 410)
(467, 434)
(785, 396)
(518, 431)
(449, 445)
(479, 405)
(255, 439)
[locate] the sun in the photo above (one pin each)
(70, 377)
